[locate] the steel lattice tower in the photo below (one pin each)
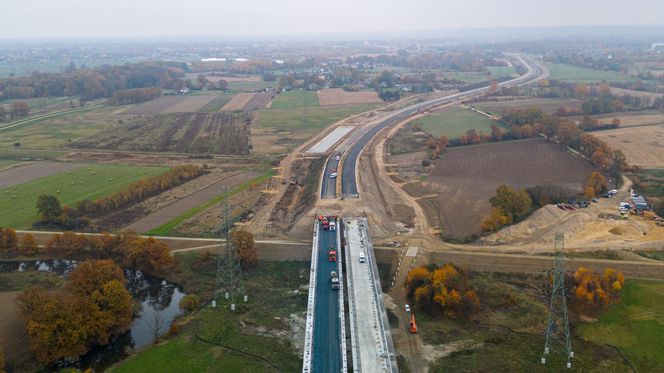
(229, 271)
(557, 329)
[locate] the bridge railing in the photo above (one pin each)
(311, 303)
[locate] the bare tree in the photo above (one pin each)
(155, 324)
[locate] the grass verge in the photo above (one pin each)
(454, 123)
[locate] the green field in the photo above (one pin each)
(294, 99)
(311, 119)
(250, 86)
(455, 122)
(579, 74)
(58, 129)
(498, 71)
(635, 325)
(468, 77)
(85, 182)
(197, 348)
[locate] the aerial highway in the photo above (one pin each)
(348, 174)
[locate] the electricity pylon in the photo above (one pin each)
(557, 329)
(229, 271)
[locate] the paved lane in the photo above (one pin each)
(326, 355)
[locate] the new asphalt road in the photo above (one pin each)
(349, 187)
(326, 356)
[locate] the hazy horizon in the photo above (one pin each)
(72, 19)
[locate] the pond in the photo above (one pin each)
(156, 296)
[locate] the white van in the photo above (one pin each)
(363, 258)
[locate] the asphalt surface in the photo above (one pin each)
(328, 189)
(326, 356)
(349, 187)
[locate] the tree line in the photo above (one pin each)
(100, 82)
(92, 308)
(134, 96)
(593, 292)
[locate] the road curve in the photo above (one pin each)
(349, 187)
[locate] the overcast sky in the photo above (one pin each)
(121, 18)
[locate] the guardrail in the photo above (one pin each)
(311, 304)
(342, 320)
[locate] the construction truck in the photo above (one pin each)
(325, 222)
(412, 325)
(334, 279)
(332, 254)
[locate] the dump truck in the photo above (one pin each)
(332, 254)
(334, 279)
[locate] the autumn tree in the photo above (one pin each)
(28, 245)
(595, 184)
(9, 244)
(494, 220)
(592, 292)
(512, 204)
(92, 307)
(442, 289)
(243, 241)
(19, 109)
(496, 133)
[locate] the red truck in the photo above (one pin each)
(332, 254)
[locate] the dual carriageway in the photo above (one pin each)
(347, 329)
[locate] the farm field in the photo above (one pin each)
(217, 133)
(498, 71)
(59, 131)
(295, 99)
(172, 211)
(468, 77)
(280, 130)
(454, 122)
(6, 163)
(643, 146)
(190, 104)
(548, 105)
(216, 103)
(337, 96)
(466, 177)
(261, 100)
(172, 104)
(632, 92)
(32, 171)
(635, 325)
(84, 182)
(250, 86)
(238, 102)
(580, 74)
(633, 119)
(18, 154)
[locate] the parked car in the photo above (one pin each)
(333, 175)
(406, 307)
(595, 200)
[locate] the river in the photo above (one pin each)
(155, 295)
